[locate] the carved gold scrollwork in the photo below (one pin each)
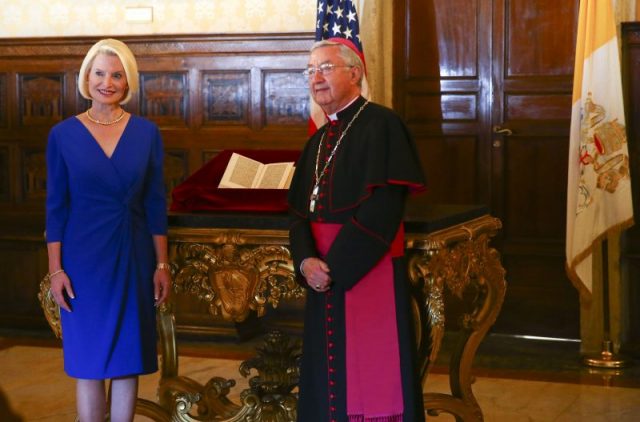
(461, 260)
(268, 398)
(234, 277)
(49, 306)
(428, 308)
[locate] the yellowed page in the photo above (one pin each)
(287, 183)
(241, 172)
(274, 176)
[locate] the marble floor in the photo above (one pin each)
(515, 381)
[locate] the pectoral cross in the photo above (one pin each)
(313, 198)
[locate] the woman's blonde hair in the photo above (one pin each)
(111, 47)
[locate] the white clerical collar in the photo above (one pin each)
(334, 116)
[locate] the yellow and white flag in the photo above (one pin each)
(599, 187)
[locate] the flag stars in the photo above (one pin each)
(336, 29)
(338, 18)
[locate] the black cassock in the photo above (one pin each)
(364, 188)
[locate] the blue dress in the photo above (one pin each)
(105, 211)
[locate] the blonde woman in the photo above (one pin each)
(106, 235)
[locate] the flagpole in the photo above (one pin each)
(598, 197)
(606, 358)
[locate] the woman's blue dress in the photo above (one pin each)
(105, 211)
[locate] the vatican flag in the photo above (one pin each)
(599, 187)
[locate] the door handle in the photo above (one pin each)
(497, 129)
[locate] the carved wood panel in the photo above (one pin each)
(286, 98)
(164, 98)
(34, 174)
(41, 99)
(226, 97)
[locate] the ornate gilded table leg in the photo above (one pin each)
(235, 272)
(461, 260)
(268, 398)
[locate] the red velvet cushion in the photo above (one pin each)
(199, 192)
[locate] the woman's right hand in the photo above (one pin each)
(60, 283)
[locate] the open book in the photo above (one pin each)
(243, 172)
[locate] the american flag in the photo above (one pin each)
(336, 19)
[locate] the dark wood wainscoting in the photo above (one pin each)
(206, 92)
(486, 89)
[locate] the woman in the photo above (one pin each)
(106, 235)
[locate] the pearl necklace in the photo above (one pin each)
(108, 123)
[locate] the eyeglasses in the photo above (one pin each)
(323, 69)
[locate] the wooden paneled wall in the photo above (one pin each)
(206, 92)
(485, 87)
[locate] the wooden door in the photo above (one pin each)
(485, 86)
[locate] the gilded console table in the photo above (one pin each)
(239, 264)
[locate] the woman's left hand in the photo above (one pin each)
(161, 285)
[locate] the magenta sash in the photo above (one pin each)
(374, 384)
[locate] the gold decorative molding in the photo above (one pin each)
(460, 260)
(234, 274)
(269, 397)
(49, 306)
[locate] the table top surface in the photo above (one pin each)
(420, 217)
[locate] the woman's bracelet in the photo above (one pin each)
(163, 266)
(51, 275)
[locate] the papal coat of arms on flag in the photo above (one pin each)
(604, 160)
(598, 188)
